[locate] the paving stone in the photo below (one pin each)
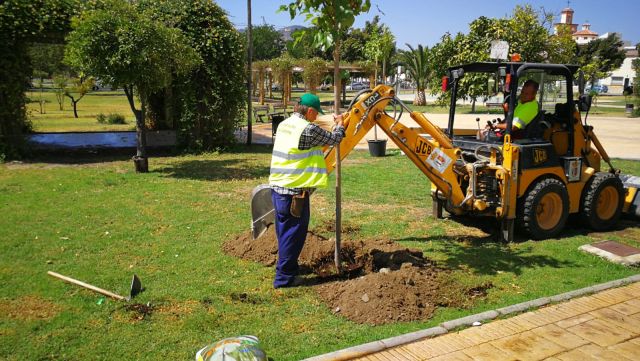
(623, 292)
(487, 352)
(634, 302)
(569, 322)
(593, 302)
(611, 299)
(616, 318)
(575, 355)
(516, 326)
(476, 335)
(410, 352)
(534, 319)
(627, 349)
(600, 333)
(625, 308)
(455, 341)
(456, 356)
(573, 309)
(528, 346)
(420, 349)
(551, 314)
(480, 317)
(393, 354)
(496, 330)
(560, 336)
(601, 353)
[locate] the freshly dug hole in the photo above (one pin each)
(383, 282)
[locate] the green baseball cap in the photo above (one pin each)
(311, 100)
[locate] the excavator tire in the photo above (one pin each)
(602, 201)
(544, 209)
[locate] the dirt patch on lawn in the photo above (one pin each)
(28, 308)
(383, 282)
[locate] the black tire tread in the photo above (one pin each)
(588, 214)
(528, 204)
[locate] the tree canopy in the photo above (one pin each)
(267, 42)
(333, 19)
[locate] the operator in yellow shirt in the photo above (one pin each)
(526, 110)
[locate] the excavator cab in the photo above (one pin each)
(553, 164)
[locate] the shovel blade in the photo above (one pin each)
(136, 287)
(262, 211)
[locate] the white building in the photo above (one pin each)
(585, 35)
(625, 75)
(620, 78)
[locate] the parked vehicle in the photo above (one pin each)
(356, 86)
(599, 89)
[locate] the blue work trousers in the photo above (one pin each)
(291, 232)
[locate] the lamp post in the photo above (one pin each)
(249, 60)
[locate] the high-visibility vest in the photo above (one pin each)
(524, 113)
(292, 167)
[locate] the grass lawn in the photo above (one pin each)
(96, 220)
(56, 120)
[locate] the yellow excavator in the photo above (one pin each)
(536, 178)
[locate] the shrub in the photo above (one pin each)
(115, 118)
(101, 118)
(206, 106)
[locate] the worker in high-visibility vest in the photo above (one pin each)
(297, 167)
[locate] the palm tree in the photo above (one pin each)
(416, 63)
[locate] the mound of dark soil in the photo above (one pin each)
(382, 281)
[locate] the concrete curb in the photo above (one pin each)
(381, 345)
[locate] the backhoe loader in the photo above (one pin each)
(536, 178)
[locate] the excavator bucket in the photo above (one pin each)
(262, 211)
(632, 199)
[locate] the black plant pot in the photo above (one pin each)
(628, 108)
(141, 163)
(377, 147)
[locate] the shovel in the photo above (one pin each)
(136, 286)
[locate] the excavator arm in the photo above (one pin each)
(433, 155)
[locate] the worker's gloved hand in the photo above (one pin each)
(338, 118)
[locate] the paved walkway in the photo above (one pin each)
(618, 135)
(602, 326)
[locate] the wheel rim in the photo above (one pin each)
(549, 211)
(607, 203)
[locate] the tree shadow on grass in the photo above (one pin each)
(485, 256)
(78, 156)
(214, 170)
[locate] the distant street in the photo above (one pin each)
(619, 135)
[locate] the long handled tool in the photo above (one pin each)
(136, 286)
(336, 255)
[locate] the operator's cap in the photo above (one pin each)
(311, 100)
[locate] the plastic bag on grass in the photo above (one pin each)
(241, 348)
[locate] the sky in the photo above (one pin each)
(425, 21)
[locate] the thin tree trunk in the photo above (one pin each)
(384, 71)
(336, 77)
(261, 80)
(75, 107)
(141, 131)
(473, 105)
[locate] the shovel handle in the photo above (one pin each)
(86, 285)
